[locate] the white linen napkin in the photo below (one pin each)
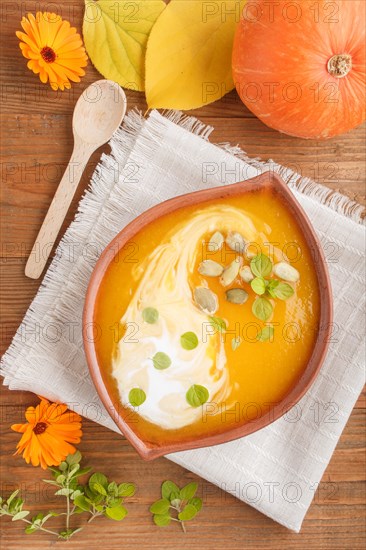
(277, 469)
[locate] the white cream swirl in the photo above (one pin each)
(164, 284)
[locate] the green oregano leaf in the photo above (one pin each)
(262, 308)
(82, 472)
(20, 515)
(265, 334)
(136, 397)
(162, 519)
(12, 497)
(271, 285)
(74, 458)
(188, 491)
(258, 285)
(150, 315)
(126, 489)
(161, 360)
(188, 512)
(98, 488)
(235, 343)
(37, 520)
(218, 323)
(82, 503)
(196, 502)
(160, 506)
(261, 265)
(283, 291)
(98, 478)
(189, 340)
(197, 395)
(73, 469)
(30, 529)
(169, 487)
(117, 512)
(76, 494)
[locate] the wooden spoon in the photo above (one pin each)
(97, 114)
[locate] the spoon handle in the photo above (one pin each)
(57, 211)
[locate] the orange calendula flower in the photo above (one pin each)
(48, 434)
(54, 49)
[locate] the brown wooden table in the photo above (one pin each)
(36, 145)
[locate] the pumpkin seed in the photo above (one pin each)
(246, 274)
(210, 268)
(250, 255)
(230, 272)
(285, 271)
(215, 242)
(206, 300)
(236, 296)
(236, 242)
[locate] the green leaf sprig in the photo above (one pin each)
(182, 502)
(98, 497)
(265, 334)
(218, 324)
(261, 266)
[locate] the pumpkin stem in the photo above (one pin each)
(339, 65)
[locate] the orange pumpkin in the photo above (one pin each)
(299, 66)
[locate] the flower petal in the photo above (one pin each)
(21, 428)
(31, 415)
(33, 33)
(43, 75)
(62, 34)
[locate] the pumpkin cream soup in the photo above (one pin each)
(208, 318)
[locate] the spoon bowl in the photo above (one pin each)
(98, 112)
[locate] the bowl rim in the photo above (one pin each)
(148, 450)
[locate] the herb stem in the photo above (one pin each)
(38, 528)
(67, 508)
(181, 522)
(94, 515)
(68, 513)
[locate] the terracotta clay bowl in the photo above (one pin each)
(148, 450)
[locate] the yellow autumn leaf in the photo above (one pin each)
(115, 37)
(188, 57)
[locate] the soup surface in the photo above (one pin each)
(208, 317)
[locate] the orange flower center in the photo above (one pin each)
(40, 428)
(48, 54)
